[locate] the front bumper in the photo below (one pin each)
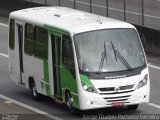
(93, 101)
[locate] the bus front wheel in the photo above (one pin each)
(69, 103)
(132, 107)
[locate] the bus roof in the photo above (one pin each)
(68, 19)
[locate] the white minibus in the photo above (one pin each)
(83, 60)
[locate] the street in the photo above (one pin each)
(10, 89)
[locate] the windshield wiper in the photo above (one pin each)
(121, 58)
(104, 55)
(114, 51)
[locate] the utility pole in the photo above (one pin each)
(59, 2)
(107, 8)
(90, 6)
(142, 12)
(74, 4)
(45, 2)
(124, 10)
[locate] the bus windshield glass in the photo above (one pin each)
(109, 50)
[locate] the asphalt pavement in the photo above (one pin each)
(11, 111)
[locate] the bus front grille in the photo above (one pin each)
(107, 89)
(117, 99)
(117, 94)
(120, 92)
(126, 87)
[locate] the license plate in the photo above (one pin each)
(117, 104)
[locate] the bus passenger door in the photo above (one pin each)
(20, 51)
(56, 43)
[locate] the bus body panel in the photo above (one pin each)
(12, 67)
(95, 101)
(14, 55)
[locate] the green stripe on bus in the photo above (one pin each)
(76, 101)
(46, 78)
(56, 30)
(86, 80)
(46, 71)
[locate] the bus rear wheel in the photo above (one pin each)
(35, 94)
(132, 107)
(69, 103)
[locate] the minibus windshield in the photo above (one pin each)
(109, 50)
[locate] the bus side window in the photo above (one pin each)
(28, 44)
(41, 43)
(12, 34)
(67, 52)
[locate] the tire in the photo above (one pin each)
(132, 107)
(69, 104)
(35, 94)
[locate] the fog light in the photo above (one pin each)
(142, 97)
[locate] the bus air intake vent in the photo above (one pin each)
(126, 87)
(117, 98)
(107, 89)
(68, 14)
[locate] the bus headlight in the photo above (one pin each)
(88, 88)
(143, 82)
